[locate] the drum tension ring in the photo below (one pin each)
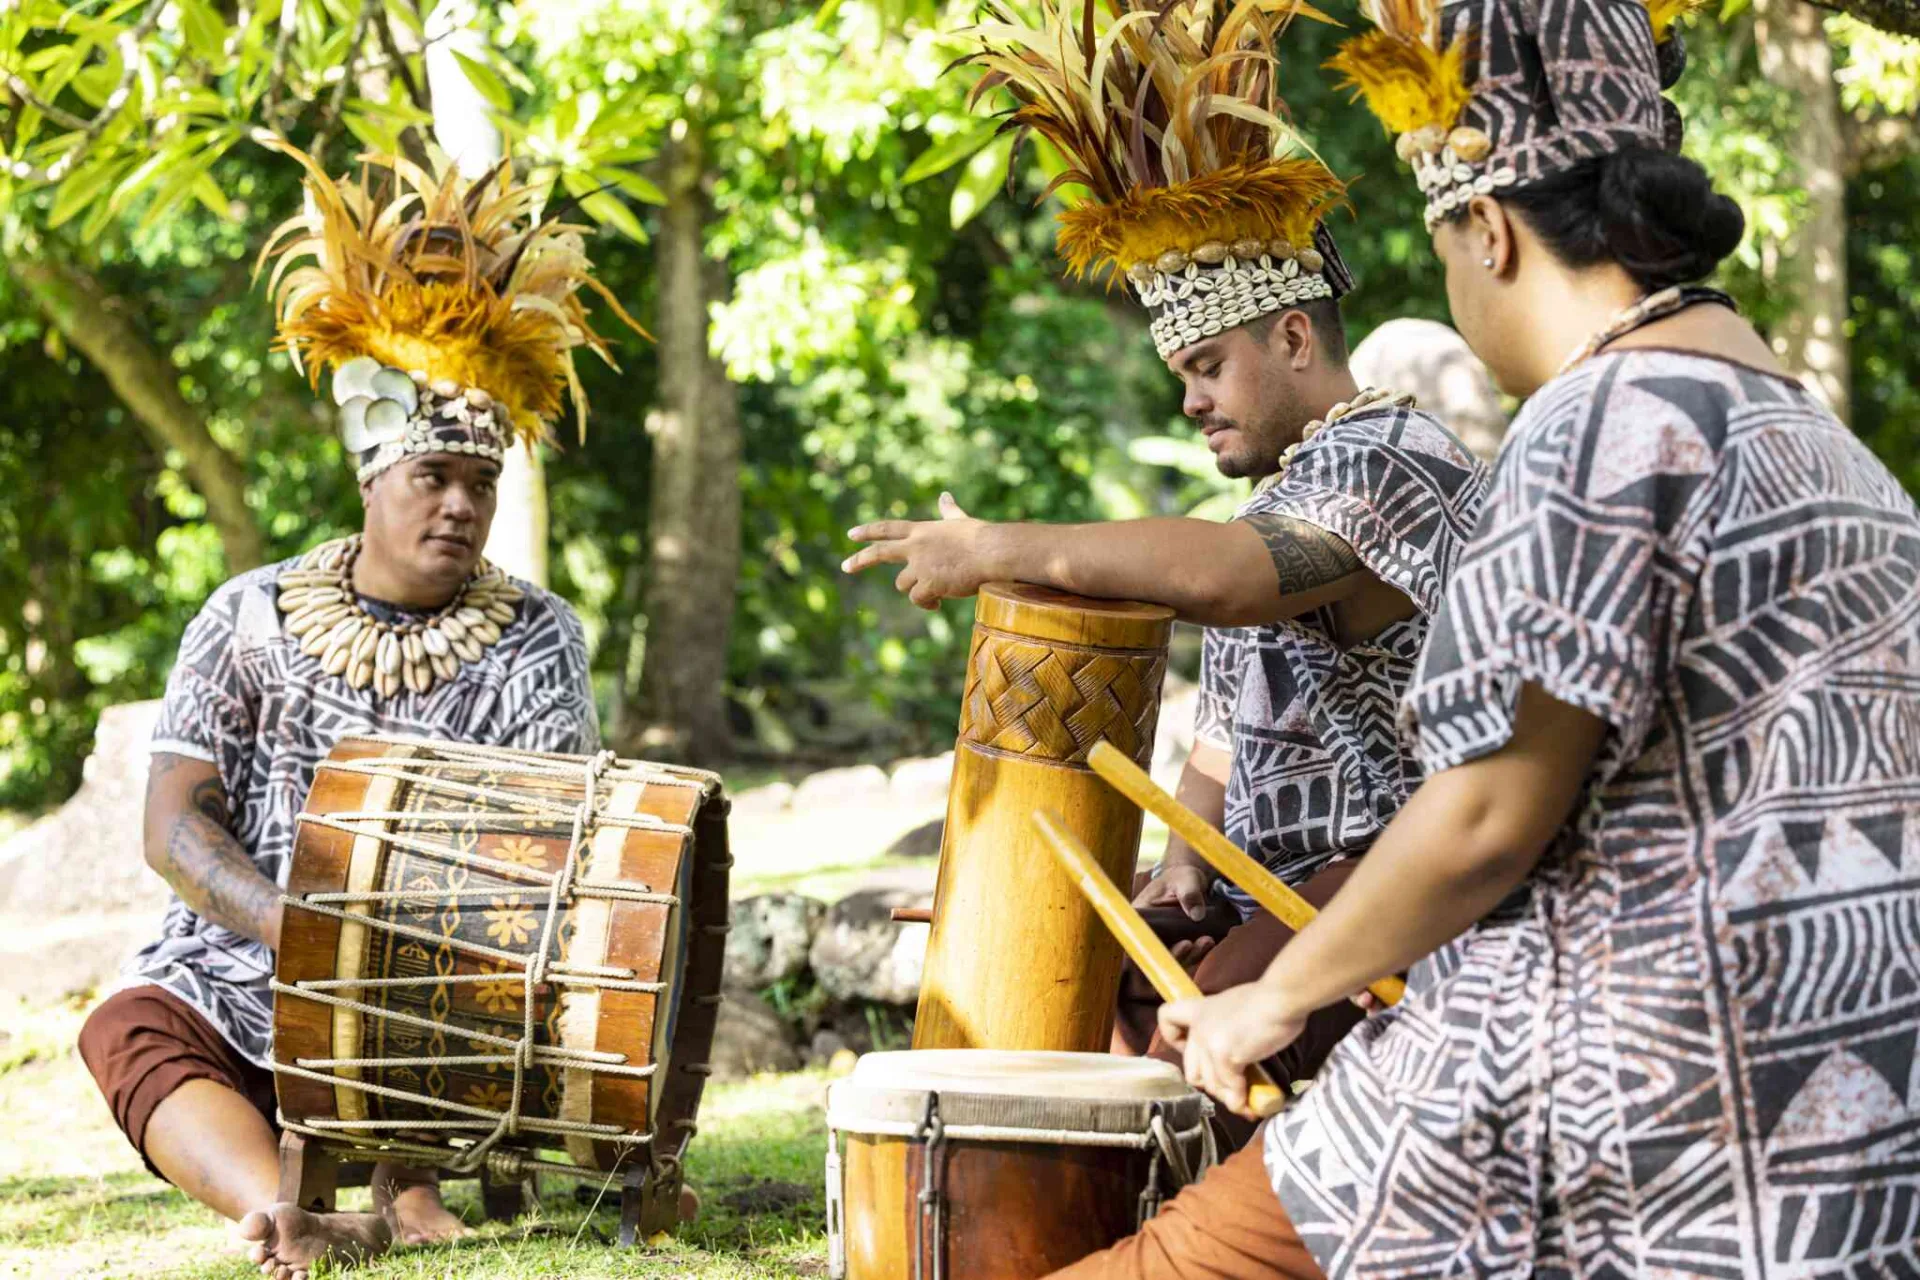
(931, 1135)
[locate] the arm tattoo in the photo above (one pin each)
(203, 863)
(1305, 556)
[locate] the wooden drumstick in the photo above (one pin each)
(1168, 976)
(1265, 888)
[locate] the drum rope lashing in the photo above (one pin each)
(557, 1054)
(504, 1163)
(603, 892)
(538, 968)
(584, 820)
(482, 1117)
(549, 763)
(457, 944)
(345, 824)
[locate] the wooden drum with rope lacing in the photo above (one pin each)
(493, 959)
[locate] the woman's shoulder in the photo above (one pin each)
(1626, 416)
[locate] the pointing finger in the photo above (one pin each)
(878, 553)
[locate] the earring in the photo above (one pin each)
(1487, 263)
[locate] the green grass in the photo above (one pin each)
(74, 1200)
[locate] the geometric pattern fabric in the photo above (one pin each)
(244, 698)
(1687, 1046)
(1317, 766)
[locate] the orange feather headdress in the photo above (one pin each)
(459, 289)
(1169, 115)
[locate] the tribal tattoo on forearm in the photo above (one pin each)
(203, 863)
(1305, 556)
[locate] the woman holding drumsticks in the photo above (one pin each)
(1661, 881)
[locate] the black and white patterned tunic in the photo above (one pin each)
(1686, 1046)
(1318, 769)
(243, 697)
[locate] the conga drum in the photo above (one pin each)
(1017, 958)
(987, 1165)
(491, 955)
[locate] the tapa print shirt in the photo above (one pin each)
(1318, 769)
(244, 698)
(1686, 1046)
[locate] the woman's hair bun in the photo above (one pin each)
(1654, 213)
(1664, 223)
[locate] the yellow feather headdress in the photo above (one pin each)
(1407, 77)
(1168, 114)
(424, 271)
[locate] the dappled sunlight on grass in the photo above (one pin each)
(75, 1202)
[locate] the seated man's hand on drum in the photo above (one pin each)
(1220, 1036)
(1181, 884)
(944, 559)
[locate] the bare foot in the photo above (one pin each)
(689, 1203)
(285, 1240)
(409, 1199)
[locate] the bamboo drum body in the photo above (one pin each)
(1017, 958)
(409, 1013)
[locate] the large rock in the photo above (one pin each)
(86, 856)
(921, 782)
(76, 895)
(835, 788)
(770, 937)
(772, 798)
(859, 953)
(749, 1037)
(1439, 368)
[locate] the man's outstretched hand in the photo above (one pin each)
(942, 559)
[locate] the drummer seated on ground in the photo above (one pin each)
(181, 1049)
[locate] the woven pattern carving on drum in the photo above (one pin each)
(1053, 701)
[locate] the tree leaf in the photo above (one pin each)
(980, 181)
(208, 193)
(206, 33)
(489, 84)
(632, 183)
(78, 189)
(609, 210)
(949, 151)
(373, 132)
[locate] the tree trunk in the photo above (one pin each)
(693, 530)
(1902, 17)
(1811, 266)
(96, 323)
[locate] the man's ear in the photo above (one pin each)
(1296, 331)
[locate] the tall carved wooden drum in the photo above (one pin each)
(1017, 958)
(985, 1165)
(490, 954)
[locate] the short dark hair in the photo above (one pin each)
(1653, 213)
(1329, 326)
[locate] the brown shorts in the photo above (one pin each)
(1227, 1226)
(144, 1042)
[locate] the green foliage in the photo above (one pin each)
(886, 349)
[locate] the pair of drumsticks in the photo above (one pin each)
(1168, 976)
